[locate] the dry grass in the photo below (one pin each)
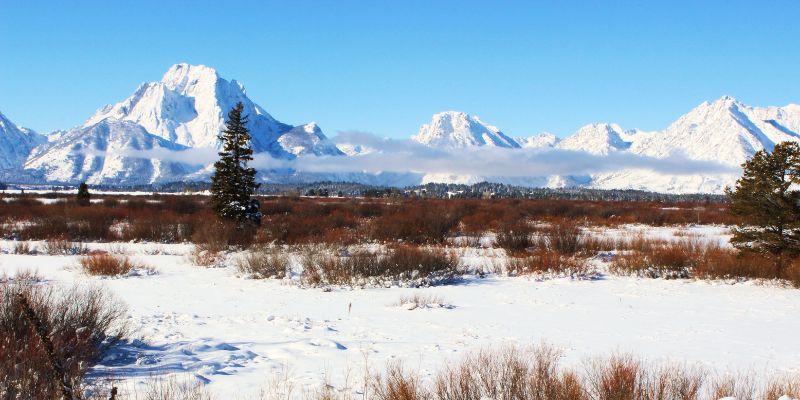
(173, 388)
(263, 263)
(63, 247)
(692, 258)
(544, 262)
(401, 263)
(515, 239)
(23, 248)
(508, 373)
(105, 264)
(515, 373)
(422, 300)
(40, 358)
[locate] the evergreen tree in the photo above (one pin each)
(233, 182)
(83, 196)
(767, 202)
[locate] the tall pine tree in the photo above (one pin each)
(766, 199)
(83, 196)
(233, 182)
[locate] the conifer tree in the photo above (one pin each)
(233, 182)
(766, 199)
(83, 196)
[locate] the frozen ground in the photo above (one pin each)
(236, 334)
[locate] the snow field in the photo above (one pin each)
(236, 334)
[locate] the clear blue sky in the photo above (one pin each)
(386, 66)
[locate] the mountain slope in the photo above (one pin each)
(597, 139)
(188, 106)
(541, 140)
(453, 129)
(308, 140)
(108, 152)
(185, 109)
(16, 143)
(724, 131)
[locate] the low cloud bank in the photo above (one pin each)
(402, 156)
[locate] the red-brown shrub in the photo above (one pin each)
(105, 264)
(80, 323)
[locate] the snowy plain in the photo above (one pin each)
(237, 335)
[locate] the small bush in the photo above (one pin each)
(63, 247)
(398, 384)
(562, 237)
(23, 248)
(718, 263)
(547, 262)
(509, 373)
(514, 239)
(422, 300)
(626, 377)
(172, 388)
(104, 264)
(42, 358)
(263, 263)
(402, 263)
(661, 260)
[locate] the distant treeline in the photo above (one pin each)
(430, 190)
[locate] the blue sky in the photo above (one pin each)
(386, 66)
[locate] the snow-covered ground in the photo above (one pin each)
(237, 334)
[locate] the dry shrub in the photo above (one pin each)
(547, 262)
(514, 373)
(173, 388)
(422, 300)
(662, 259)
(739, 387)
(402, 263)
(43, 357)
(418, 222)
(398, 384)
(469, 239)
(620, 377)
(515, 238)
(105, 264)
(215, 236)
(623, 377)
(730, 263)
(562, 237)
(263, 263)
(778, 387)
(792, 273)
(63, 247)
(509, 373)
(314, 259)
(410, 261)
(204, 257)
(697, 259)
(23, 248)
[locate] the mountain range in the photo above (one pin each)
(166, 131)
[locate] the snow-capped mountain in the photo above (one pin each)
(541, 140)
(308, 139)
(16, 143)
(724, 131)
(167, 131)
(453, 129)
(110, 151)
(185, 109)
(188, 106)
(597, 139)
